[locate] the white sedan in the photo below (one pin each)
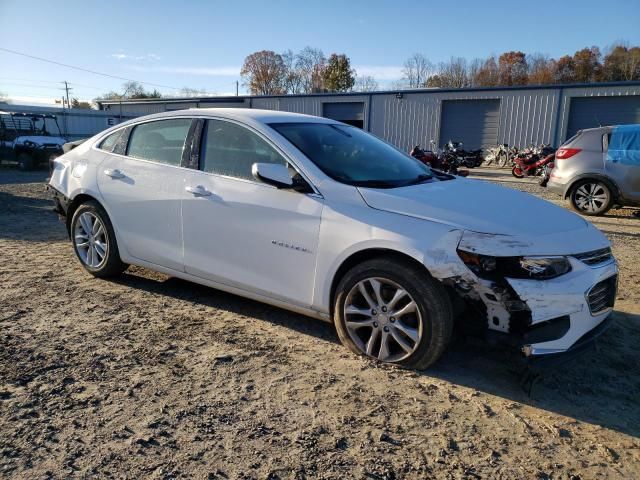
(324, 219)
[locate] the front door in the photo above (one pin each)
(242, 232)
(143, 190)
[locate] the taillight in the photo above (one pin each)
(564, 153)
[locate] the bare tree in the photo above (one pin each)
(366, 83)
(293, 76)
(310, 64)
(416, 70)
(451, 74)
(263, 72)
(192, 92)
(621, 62)
(540, 69)
(488, 74)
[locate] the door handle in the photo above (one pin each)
(114, 173)
(198, 191)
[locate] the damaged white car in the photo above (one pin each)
(324, 219)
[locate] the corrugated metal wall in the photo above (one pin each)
(536, 115)
(525, 116)
(569, 93)
(75, 123)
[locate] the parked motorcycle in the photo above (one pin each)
(500, 155)
(531, 163)
(443, 161)
(467, 158)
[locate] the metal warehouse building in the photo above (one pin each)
(479, 117)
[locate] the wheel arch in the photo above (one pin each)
(75, 203)
(613, 186)
(362, 256)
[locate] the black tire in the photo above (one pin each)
(26, 162)
(111, 264)
(516, 171)
(603, 199)
(431, 298)
(502, 160)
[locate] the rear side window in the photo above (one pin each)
(111, 141)
(231, 150)
(161, 141)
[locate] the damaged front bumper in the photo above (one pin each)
(541, 317)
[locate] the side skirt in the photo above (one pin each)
(309, 312)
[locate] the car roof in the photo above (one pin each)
(249, 115)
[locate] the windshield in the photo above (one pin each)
(352, 156)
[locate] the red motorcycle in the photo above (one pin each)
(530, 166)
(443, 162)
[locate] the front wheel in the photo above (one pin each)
(392, 311)
(517, 172)
(26, 162)
(502, 160)
(94, 241)
(591, 197)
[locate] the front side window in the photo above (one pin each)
(111, 141)
(231, 150)
(352, 156)
(161, 141)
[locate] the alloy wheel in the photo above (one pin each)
(591, 197)
(382, 319)
(91, 240)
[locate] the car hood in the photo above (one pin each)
(477, 206)
(40, 139)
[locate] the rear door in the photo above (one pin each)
(241, 232)
(622, 159)
(142, 188)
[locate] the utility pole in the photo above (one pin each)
(236, 88)
(66, 87)
(66, 125)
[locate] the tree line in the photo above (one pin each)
(309, 71)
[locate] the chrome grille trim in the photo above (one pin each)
(602, 295)
(595, 257)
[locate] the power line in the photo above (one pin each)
(86, 69)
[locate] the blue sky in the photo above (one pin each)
(202, 44)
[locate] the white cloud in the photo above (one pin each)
(124, 56)
(204, 71)
(379, 72)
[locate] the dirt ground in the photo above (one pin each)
(147, 376)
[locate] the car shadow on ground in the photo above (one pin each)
(11, 175)
(587, 388)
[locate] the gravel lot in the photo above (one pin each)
(150, 376)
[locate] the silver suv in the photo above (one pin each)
(599, 168)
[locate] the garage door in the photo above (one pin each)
(472, 122)
(589, 112)
(347, 112)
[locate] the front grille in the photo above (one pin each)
(602, 295)
(595, 257)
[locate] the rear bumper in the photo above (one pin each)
(60, 201)
(555, 187)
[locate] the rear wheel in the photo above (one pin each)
(390, 310)
(502, 160)
(591, 197)
(517, 172)
(26, 162)
(94, 241)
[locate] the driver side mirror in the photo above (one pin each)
(272, 174)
